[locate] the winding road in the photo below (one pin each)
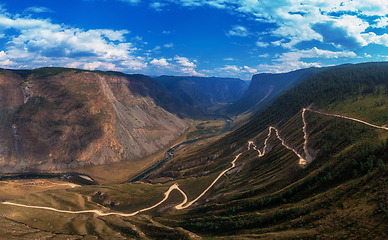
(175, 186)
(350, 118)
(184, 204)
(302, 160)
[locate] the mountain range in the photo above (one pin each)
(55, 119)
(203, 93)
(311, 163)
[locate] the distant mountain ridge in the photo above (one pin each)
(202, 92)
(265, 87)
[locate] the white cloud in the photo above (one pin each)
(169, 45)
(313, 53)
(293, 60)
(381, 22)
(38, 9)
(156, 49)
(5, 61)
(264, 55)
(250, 70)
(229, 59)
(160, 62)
(192, 72)
(157, 5)
(3, 55)
(97, 65)
(177, 65)
(234, 70)
(184, 62)
(295, 19)
(262, 44)
(231, 68)
(40, 43)
(376, 39)
(284, 67)
(131, 1)
(240, 31)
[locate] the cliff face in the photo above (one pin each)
(264, 89)
(55, 121)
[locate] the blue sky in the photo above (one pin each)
(225, 38)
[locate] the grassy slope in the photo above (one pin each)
(342, 194)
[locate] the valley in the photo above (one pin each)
(302, 160)
(312, 164)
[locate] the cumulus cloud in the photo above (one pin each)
(184, 62)
(338, 36)
(39, 42)
(169, 45)
(233, 70)
(250, 70)
(285, 67)
(293, 60)
(38, 9)
(191, 72)
(381, 22)
(314, 53)
(237, 30)
(131, 1)
(157, 6)
(341, 23)
(156, 49)
(178, 65)
(160, 62)
(376, 39)
(262, 44)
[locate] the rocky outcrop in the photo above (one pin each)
(60, 119)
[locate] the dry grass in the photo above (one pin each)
(15, 189)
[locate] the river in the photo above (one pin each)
(170, 152)
(76, 178)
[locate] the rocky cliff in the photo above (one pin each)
(55, 119)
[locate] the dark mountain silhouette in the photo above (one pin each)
(203, 93)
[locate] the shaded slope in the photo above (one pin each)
(203, 93)
(162, 96)
(264, 88)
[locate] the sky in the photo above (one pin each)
(223, 38)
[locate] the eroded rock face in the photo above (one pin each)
(65, 120)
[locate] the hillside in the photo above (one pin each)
(60, 119)
(341, 194)
(202, 93)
